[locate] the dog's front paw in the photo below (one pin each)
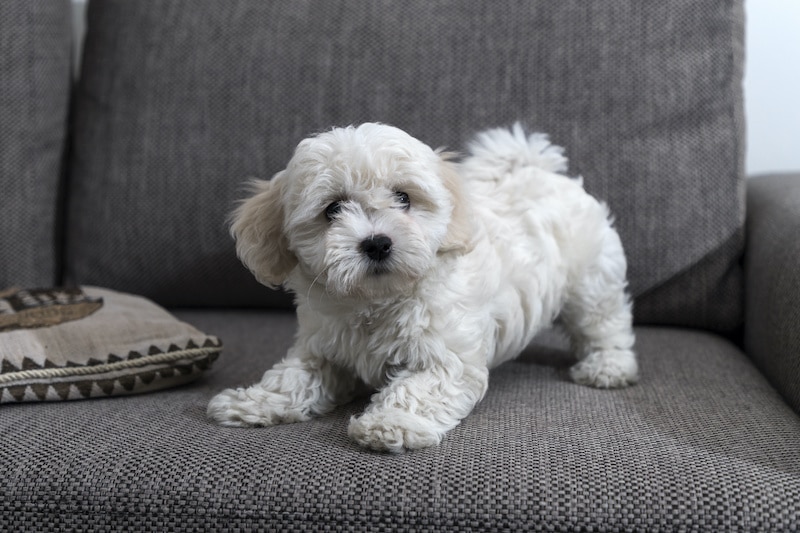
(393, 430)
(607, 369)
(252, 406)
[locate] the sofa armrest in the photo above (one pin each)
(772, 281)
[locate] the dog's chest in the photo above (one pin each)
(367, 322)
(374, 340)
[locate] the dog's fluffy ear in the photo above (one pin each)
(257, 226)
(460, 231)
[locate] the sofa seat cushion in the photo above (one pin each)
(72, 344)
(702, 443)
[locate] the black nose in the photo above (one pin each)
(377, 248)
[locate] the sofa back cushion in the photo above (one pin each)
(181, 102)
(35, 39)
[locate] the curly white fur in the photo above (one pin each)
(477, 257)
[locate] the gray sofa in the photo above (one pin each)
(124, 181)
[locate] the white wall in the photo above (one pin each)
(772, 83)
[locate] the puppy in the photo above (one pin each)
(415, 275)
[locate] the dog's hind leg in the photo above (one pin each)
(598, 317)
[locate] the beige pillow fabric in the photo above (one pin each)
(69, 344)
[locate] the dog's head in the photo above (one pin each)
(364, 211)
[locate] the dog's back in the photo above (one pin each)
(546, 230)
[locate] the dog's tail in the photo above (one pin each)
(502, 150)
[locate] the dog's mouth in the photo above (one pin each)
(379, 269)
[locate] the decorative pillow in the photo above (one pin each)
(70, 344)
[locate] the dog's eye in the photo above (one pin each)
(403, 199)
(332, 210)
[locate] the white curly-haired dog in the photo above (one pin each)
(414, 275)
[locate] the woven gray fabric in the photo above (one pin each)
(703, 443)
(181, 101)
(34, 95)
(772, 263)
